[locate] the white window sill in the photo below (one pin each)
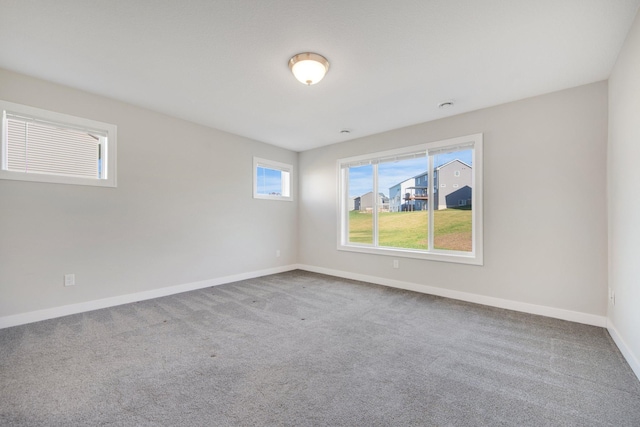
(435, 255)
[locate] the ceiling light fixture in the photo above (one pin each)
(309, 68)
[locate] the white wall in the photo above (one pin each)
(545, 222)
(624, 198)
(182, 212)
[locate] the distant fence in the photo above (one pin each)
(381, 208)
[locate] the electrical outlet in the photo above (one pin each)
(277, 253)
(396, 263)
(69, 279)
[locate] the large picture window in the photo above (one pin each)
(422, 201)
(45, 146)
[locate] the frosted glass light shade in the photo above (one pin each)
(309, 68)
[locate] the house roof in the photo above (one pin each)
(436, 168)
(409, 179)
(371, 192)
(224, 64)
(453, 161)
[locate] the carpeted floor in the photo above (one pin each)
(302, 349)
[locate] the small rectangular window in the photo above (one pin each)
(44, 146)
(271, 180)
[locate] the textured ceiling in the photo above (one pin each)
(224, 63)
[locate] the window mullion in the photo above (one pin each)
(375, 204)
(344, 205)
(430, 183)
(474, 207)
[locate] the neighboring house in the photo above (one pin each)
(352, 203)
(453, 185)
(356, 203)
(365, 202)
(397, 194)
(452, 189)
(384, 203)
(410, 195)
(418, 195)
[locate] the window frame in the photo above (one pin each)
(475, 257)
(274, 165)
(66, 121)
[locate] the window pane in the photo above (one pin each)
(452, 217)
(402, 221)
(361, 203)
(269, 182)
(272, 180)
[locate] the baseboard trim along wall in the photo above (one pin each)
(631, 359)
(65, 310)
(50, 313)
(573, 316)
(557, 313)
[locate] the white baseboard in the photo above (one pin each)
(65, 310)
(50, 313)
(631, 358)
(557, 313)
(573, 316)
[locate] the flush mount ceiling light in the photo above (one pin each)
(309, 68)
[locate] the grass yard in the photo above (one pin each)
(409, 229)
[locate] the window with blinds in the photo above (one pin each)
(39, 145)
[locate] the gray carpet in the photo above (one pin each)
(303, 349)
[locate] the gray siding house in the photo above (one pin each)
(365, 202)
(453, 184)
(452, 189)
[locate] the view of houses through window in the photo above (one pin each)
(388, 200)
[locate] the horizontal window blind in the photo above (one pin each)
(384, 159)
(39, 147)
(451, 149)
(28, 119)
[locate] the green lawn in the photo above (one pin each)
(409, 229)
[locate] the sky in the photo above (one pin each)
(392, 173)
(269, 181)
